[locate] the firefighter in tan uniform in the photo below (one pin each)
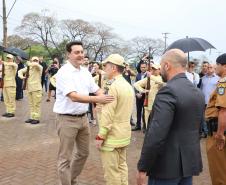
(114, 128)
(9, 88)
(155, 84)
(216, 121)
(33, 71)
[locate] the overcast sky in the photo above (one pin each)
(130, 18)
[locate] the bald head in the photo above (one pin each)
(173, 62)
(176, 57)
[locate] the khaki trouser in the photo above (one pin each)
(115, 167)
(9, 94)
(34, 99)
(217, 162)
(146, 116)
(74, 137)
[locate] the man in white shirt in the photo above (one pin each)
(73, 85)
(191, 74)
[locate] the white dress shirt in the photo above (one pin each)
(193, 77)
(70, 79)
(209, 84)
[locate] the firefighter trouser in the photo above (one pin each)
(34, 99)
(217, 162)
(9, 95)
(146, 116)
(115, 167)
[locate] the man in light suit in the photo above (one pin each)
(171, 151)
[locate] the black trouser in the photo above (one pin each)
(91, 107)
(44, 82)
(140, 107)
(19, 88)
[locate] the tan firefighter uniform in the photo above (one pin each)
(103, 87)
(34, 87)
(155, 84)
(52, 80)
(9, 88)
(115, 129)
(216, 158)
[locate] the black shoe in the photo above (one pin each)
(33, 122)
(9, 115)
(48, 100)
(5, 114)
(29, 121)
(132, 124)
(136, 128)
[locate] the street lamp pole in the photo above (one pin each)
(165, 38)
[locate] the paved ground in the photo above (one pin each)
(28, 153)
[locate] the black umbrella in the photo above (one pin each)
(191, 44)
(16, 52)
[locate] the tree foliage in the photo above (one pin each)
(99, 39)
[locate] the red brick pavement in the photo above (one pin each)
(28, 153)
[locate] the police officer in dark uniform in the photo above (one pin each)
(216, 122)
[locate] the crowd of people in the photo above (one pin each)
(175, 107)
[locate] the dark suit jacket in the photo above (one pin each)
(171, 146)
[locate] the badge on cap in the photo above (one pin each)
(221, 90)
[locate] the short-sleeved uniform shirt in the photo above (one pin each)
(70, 79)
(217, 100)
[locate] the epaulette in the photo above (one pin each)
(222, 80)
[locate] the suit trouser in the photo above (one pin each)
(74, 137)
(217, 162)
(34, 99)
(9, 94)
(19, 88)
(146, 115)
(115, 167)
(139, 106)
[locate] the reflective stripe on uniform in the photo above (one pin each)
(117, 142)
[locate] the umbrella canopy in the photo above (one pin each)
(191, 44)
(16, 52)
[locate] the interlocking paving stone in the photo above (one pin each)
(28, 153)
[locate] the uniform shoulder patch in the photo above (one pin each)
(221, 90)
(107, 85)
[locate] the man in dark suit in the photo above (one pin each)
(171, 150)
(140, 97)
(19, 82)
